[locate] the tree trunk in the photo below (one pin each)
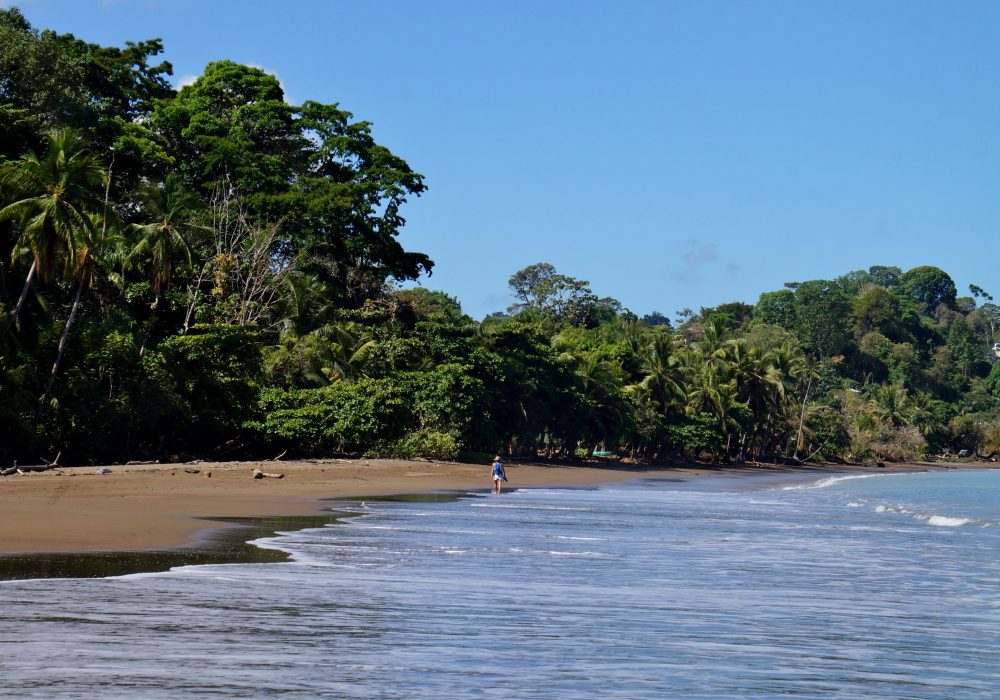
(802, 420)
(152, 322)
(59, 355)
(24, 294)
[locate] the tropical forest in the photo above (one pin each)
(212, 272)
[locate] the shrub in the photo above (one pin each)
(432, 444)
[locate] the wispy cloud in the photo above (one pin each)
(699, 253)
(698, 256)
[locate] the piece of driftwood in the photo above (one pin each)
(280, 456)
(258, 474)
(8, 472)
(192, 471)
(133, 462)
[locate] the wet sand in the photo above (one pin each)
(158, 507)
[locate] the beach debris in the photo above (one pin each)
(208, 475)
(280, 456)
(103, 470)
(192, 471)
(258, 474)
(132, 462)
(9, 472)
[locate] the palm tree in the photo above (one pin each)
(758, 383)
(711, 392)
(55, 193)
(88, 249)
(805, 372)
(892, 405)
(665, 369)
(170, 207)
(604, 413)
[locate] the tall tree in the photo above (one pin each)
(338, 192)
(929, 286)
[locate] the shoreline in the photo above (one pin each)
(151, 517)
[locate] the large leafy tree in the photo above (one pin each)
(821, 309)
(338, 192)
(561, 298)
(929, 286)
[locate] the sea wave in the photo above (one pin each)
(829, 481)
(930, 519)
(945, 521)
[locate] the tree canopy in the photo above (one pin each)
(215, 272)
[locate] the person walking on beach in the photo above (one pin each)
(499, 475)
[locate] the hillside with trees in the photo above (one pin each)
(214, 272)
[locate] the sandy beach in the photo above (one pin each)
(154, 506)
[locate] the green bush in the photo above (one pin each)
(431, 444)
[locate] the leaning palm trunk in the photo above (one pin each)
(43, 401)
(802, 420)
(24, 294)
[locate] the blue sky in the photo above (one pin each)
(674, 154)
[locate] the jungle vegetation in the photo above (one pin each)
(214, 272)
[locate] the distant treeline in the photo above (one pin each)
(213, 272)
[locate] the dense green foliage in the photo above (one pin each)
(215, 272)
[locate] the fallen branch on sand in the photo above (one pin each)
(258, 474)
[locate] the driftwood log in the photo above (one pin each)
(258, 474)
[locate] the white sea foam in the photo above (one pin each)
(945, 521)
(829, 481)
(936, 520)
(855, 504)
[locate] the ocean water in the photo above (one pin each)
(882, 586)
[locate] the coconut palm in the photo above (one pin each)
(88, 248)
(54, 194)
(170, 207)
(665, 368)
(892, 405)
(759, 384)
(604, 413)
